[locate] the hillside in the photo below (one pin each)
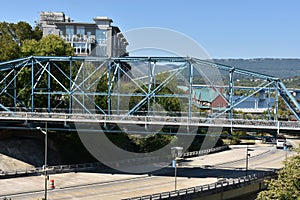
(281, 68)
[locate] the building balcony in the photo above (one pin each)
(79, 39)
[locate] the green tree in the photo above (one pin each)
(12, 37)
(287, 185)
(21, 31)
(53, 45)
(50, 45)
(29, 48)
(9, 49)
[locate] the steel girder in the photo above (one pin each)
(76, 80)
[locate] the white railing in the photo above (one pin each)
(79, 38)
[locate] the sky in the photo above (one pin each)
(224, 28)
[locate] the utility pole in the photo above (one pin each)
(247, 159)
(176, 153)
(285, 149)
(174, 164)
(45, 160)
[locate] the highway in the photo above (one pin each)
(191, 172)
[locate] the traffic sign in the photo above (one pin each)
(174, 163)
(284, 147)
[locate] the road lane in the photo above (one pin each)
(118, 190)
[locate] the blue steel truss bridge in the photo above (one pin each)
(159, 92)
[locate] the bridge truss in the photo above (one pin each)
(132, 86)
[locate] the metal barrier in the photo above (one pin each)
(85, 166)
(205, 151)
(50, 170)
(221, 185)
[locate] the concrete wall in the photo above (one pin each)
(234, 193)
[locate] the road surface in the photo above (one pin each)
(191, 172)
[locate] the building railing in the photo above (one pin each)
(80, 38)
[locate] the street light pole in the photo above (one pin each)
(176, 152)
(247, 160)
(174, 164)
(46, 159)
(285, 149)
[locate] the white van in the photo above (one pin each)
(280, 142)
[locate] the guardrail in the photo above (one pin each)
(49, 169)
(86, 166)
(219, 186)
(205, 151)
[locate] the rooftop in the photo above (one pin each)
(101, 18)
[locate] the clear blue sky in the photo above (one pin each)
(225, 28)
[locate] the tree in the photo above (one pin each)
(50, 45)
(21, 31)
(287, 185)
(29, 48)
(53, 45)
(12, 37)
(9, 49)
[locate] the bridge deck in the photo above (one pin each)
(28, 117)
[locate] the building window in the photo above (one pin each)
(101, 36)
(80, 30)
(69, 30)
(81, 48)
(101, 43)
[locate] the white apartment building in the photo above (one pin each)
(98, 38)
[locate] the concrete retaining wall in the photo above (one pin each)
(234, 193)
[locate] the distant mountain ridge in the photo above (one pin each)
(278, 67)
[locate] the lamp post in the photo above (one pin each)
(176, 153)
(46, 158)
(247, 159)
(285, 149)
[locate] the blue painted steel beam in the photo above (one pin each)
(231, 92)
(43, 64)
(289, 100)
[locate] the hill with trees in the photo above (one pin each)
(278, 67)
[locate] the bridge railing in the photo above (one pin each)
(142, 119)
(245, 116)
